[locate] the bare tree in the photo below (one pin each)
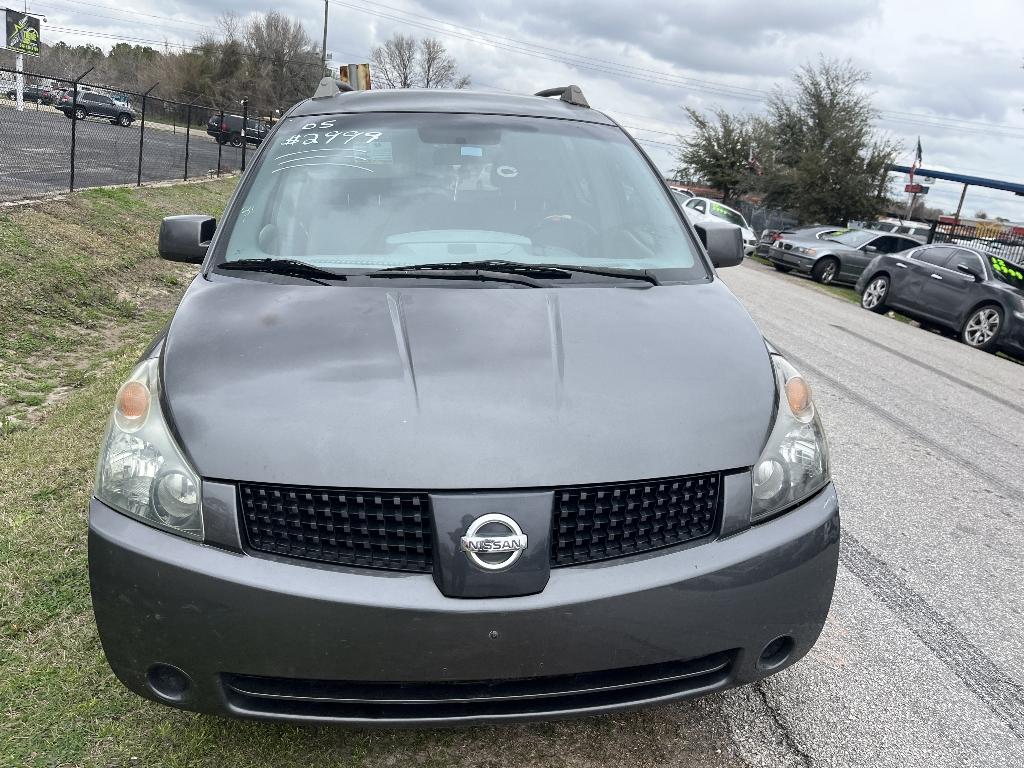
(405, 62)
(393, 65)
(436, 68)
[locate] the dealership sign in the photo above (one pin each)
(22, 33)
(916, 189)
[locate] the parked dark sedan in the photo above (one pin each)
(838, 258)
(817, 232)
(979, 296)
(41, 93)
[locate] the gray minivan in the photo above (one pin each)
(456, 424)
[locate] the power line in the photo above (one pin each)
(108, 18)
(123, 11)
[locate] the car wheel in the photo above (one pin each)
(79, 113)
(124, 120)
(782, 268)
(826, 270)
(875, 294)
(981, 330)
(236, 139)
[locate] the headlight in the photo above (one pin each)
(805, 251)
(141, 471)
(794, 463)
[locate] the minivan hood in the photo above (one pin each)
(461, 388)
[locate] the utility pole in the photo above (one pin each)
(323, 48)
(19, 78)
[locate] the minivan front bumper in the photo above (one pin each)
(222, 632)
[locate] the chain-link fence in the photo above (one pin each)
(73, 134)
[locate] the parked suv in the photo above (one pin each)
(457, 424)
(227, 129)
(94, 104)
(976, 295)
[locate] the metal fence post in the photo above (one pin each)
(142, 132)
(245, 124)
(188, 132)
(74, 123)
(220, 144)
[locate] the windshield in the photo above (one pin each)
(371, 191)
(728, 214)
(853, 238)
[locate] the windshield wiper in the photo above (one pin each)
(623, 272)
(289, 267)
(540, 271)
(453, 272)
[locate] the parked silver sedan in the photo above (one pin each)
(838, 258)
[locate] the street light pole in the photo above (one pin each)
(323, 48)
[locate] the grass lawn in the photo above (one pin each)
(844, 292)
(81, 294)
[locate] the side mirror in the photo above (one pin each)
(186, 238)
(722, 241)
(870, 249)
(967, 269)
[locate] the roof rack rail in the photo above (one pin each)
(331, 86)
(571, 94)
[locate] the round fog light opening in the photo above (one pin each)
(168, 682)
(776, 652)
(175, 498)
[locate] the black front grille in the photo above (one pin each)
(373, 529)
(470, 701)
(606, 521)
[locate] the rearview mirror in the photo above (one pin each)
(967, 269)
(186, 238)
(722, 241)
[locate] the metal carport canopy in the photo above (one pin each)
(974, 181)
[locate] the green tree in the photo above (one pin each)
(828, 160)
(720, 151)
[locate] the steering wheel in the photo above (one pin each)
(563, 231)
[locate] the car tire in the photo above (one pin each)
(782, 268)
(875, 294)
(124, 119)
(825, 270)
(236, 139)
(80, 113)
(982, 327)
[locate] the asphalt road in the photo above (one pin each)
(35, 152)
(922, 660)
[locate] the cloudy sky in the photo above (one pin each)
(949, 72)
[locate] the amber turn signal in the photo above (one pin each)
(798, 395)
(133, 400)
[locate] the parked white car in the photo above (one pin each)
(703, 209)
